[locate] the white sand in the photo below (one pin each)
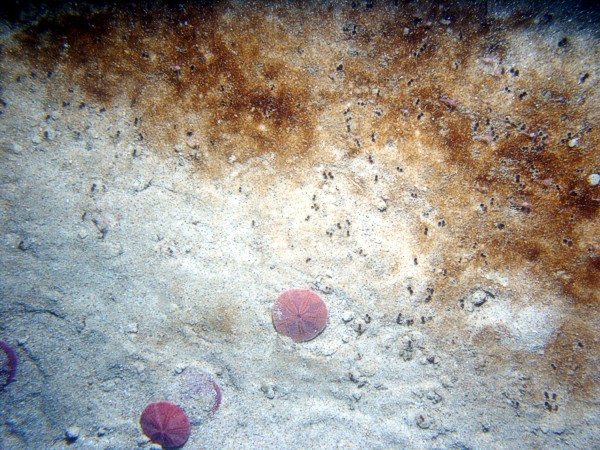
(127, 262)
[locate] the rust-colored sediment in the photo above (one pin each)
(502, 150)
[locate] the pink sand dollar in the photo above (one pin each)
(166, 424)
(300, 314)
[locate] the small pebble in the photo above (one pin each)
(347, 316)
(423, 422)
(72, 433)
(381, 204)
(179, 368)
(10, 147)
(132, 328)
(573, 142)
(594, 179)
(268, 391)
(434, 397)
(143, 440)
(82, 233)
(477, 299)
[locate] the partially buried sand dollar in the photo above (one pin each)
(300, 314)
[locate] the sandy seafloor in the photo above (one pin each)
(430, 169)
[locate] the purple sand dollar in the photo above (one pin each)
(166, 424)
(300, 314)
